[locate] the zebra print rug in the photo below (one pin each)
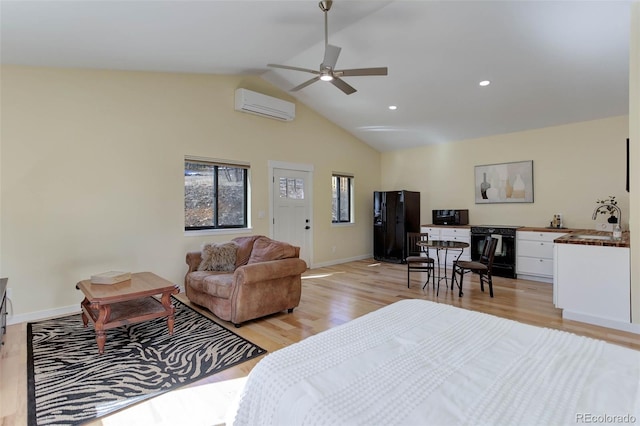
(69, 383)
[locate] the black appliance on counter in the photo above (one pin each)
(450, 217)
(504, 262)
(394, 214)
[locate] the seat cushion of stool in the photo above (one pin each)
(419, 259)
(474, 266)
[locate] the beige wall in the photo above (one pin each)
(573, 166)
(634, 137)
(92, 173)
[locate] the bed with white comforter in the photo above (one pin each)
(417, 362)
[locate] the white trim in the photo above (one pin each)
(342, 174)
(215, 161)
(225, 231)
(603, 322)
(217, 231)
(538, 278)
(352, 195)
(274, 164)
(339, 261)
(40, 315)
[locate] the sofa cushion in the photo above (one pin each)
(245, 245)
(216, 284)
(265, 249)
(218, 257)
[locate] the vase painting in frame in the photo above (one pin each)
(504, 183)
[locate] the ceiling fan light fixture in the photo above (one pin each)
(484, 83)
(327, 71)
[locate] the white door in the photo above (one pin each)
(292, 209)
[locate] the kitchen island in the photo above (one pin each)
(592, 278)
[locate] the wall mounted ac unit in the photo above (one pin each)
(266, 106)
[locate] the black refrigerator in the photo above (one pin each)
(394, 214)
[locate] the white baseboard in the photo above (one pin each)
(339, 261)
(40, 315)
(67, 310)
(603, 322)
(535, 278)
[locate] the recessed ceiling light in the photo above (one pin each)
(484, 83)
(393, 107)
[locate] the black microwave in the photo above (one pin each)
(450, 217)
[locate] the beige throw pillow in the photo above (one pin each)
(218, 257)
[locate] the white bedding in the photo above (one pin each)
(417, 362)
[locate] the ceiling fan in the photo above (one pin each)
(327, 70)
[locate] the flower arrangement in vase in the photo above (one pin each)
(608, 206)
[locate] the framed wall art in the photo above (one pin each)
(504, 183)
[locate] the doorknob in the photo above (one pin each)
(307, 227)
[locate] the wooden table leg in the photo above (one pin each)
(168, 306)
(101, 338)
(85, 318)
(103, 317)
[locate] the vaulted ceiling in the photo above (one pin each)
(549, 62)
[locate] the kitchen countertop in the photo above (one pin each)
(566, 239)
(431, 225)
(544, 229)
(569, 239)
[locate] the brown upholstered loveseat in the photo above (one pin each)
(265, 279)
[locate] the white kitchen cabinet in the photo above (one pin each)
(433, 231)
(534, 251)
(593, 283)
(451, 233)
(457, 234)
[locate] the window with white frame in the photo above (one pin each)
(215, 194)
(341, 198)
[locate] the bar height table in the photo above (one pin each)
(444, 245)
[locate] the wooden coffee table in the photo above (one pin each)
(128, 302)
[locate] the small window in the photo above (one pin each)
(291, 188)
(215, 195)
(341, 186)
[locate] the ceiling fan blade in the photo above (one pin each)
(287, 67)
(327, 70)
(331, 54)
(340, 84)
(361, 71)
(305, 84)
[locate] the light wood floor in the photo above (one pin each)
(330, 296)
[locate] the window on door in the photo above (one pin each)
(291, 188)
(342, 191)
(215, 194)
